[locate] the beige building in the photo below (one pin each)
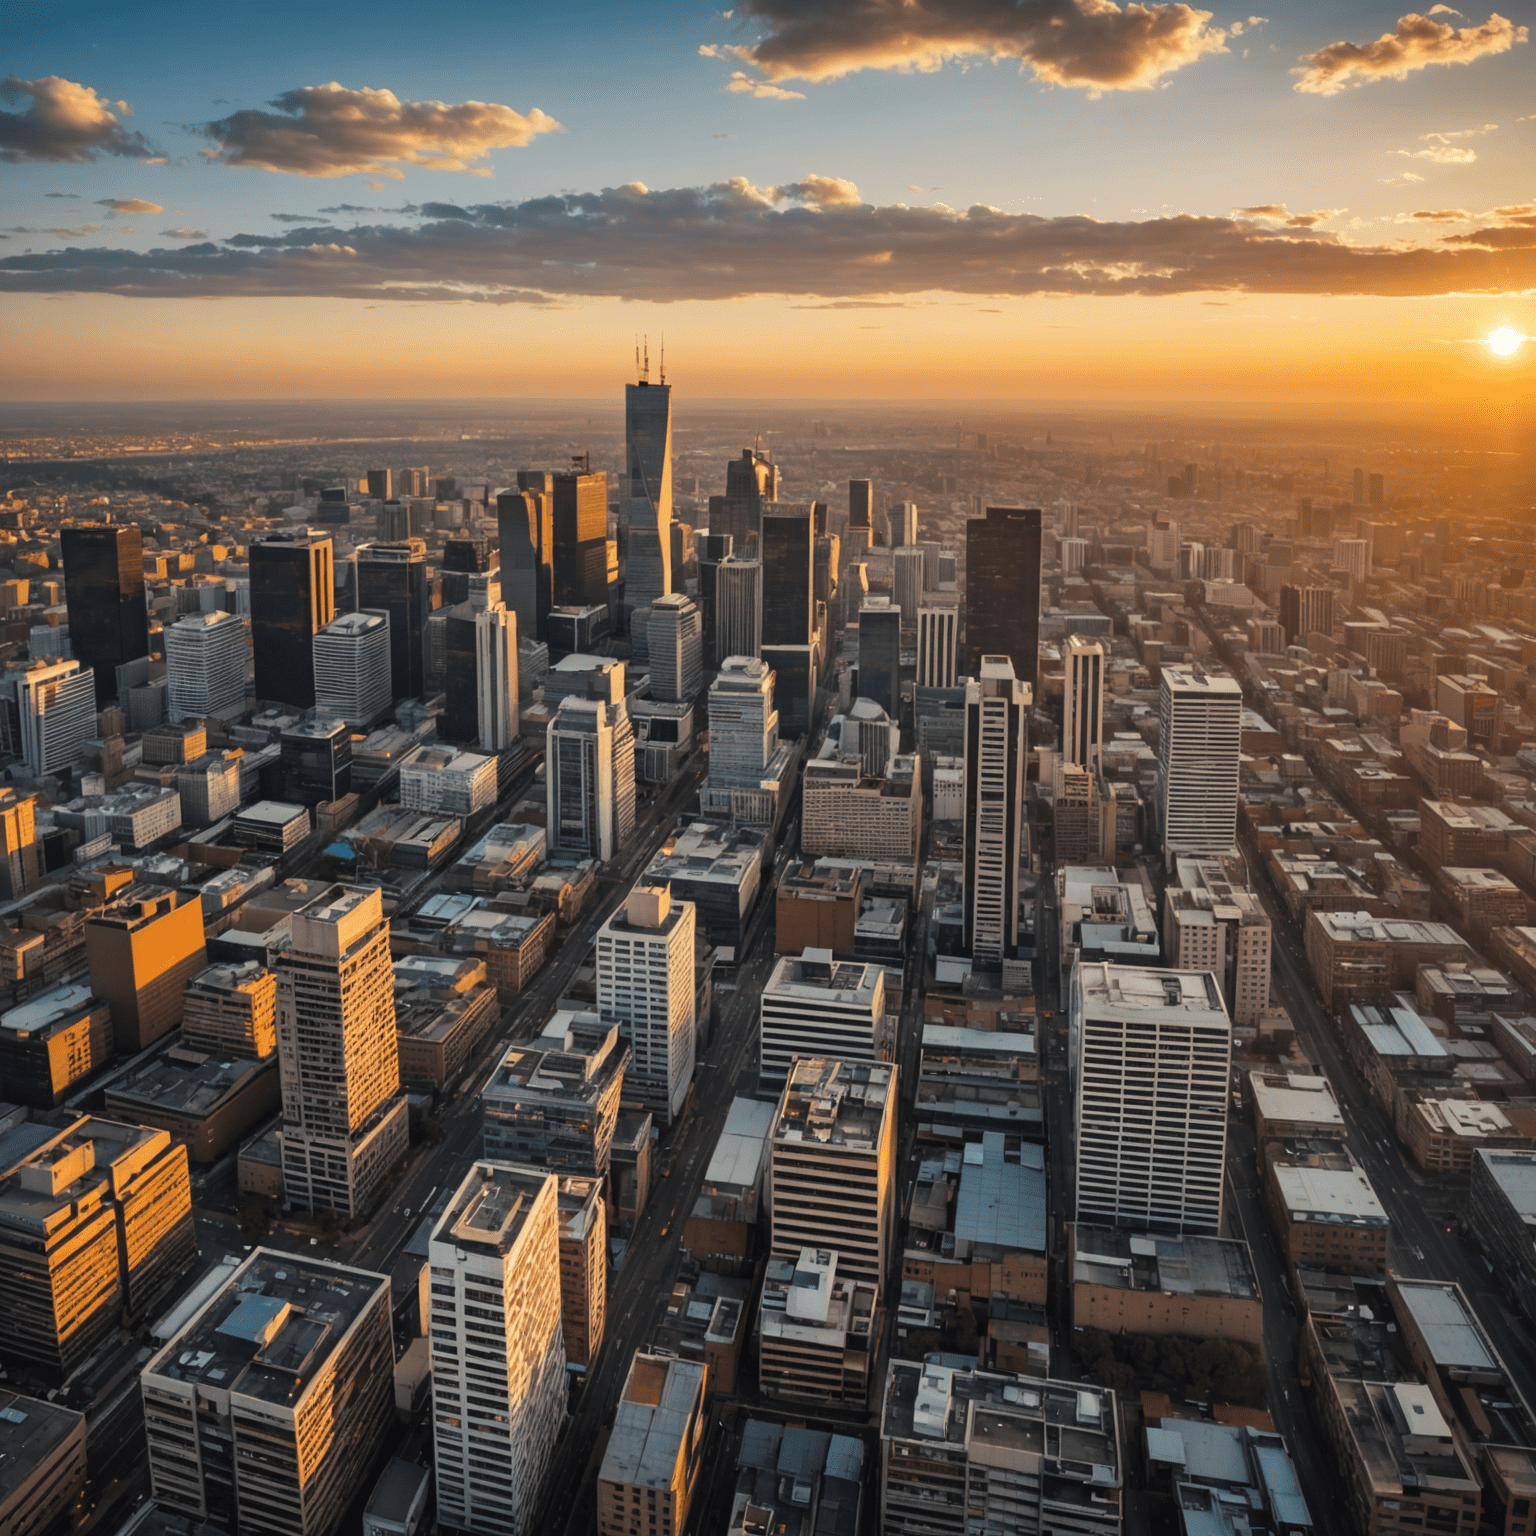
(651, 1467)
(231, 1010)
(848, 813)
(1324, 1207)
(1291, 1104)
(1076, 815)
(817, 1330)
(1357, 958)
(1462, 836)
(1443, 1127)
(583, 1267)
(143, 950)
(1223, 927)
(1482, 899)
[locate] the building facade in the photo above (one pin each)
(1199, 745)
(996, 752)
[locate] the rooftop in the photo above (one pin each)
(652, 1422)
(737, 1160)
(1002, 1198)
(184, 1082)
(64, 1005)
(815, 975)
(31, 1430)
(1321, 1182)
(1139, 992)
(1514, 1171)
(488, 1210)
(1180, 1266)
(836, 1102)
(1295, 1097)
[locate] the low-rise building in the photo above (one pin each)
(719, 868)
(817, 908)
(271, 827)
(814, 1005)
(1357, 958)
(444, 1007)
(1291, 1104)
(707, 1321)
(1324, 1208)
(1393, 1049)
(514, 944)
(507, 855)
(442, 779)
(817, 1331)
(1515, 949)
(1452, 835)
(1500, 1214)
(42, 1462)
(655, 1452)
(1443, 1127)
(206, 1103)
(1225, 1479)
(721, 1229)
(53, 1043)
(1464, 997)
(982, 1075)
(1482, 899)
(790, 1477)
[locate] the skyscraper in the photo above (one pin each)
(21, 866)
(393, 579)
(750, 481)
(1082, 722)
(589, 769)
(460, 719)
(496, 678)
(861, 517)
(498, 1361)
(880, 654)
(648, 492)
(1150, 1055)
(1199, 745)
(712, 549)
(352, 667)
(580, 523)
(903, 524)
(525, 523)
(104, 592)
(205, 667)
(645, 986)
(738, 608)
(380, 484)
(1305, 609)
(1002, 590)
(938, 633)
(55, 714)
(293, 597)
(743, 724)
(813, 1005)
(996, 748)
(788, 551)
(676, 648)
(344, 1118)
(907, 582)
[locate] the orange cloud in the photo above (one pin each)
(1418, 42)
(115, 205)
(1278, 213)
(329, 130)
(64, 122)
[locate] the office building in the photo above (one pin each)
(1082, 711)
(95, 1230)
(525, 524)
(1077, 816)
(655, 1452)
(720, 868)
(1002, 590)
(583, 1218)
(814, 1005)
(831, 1171)
(209, 788)
(795, 685)
(344, 1118)
(1150, 1052)
(21, 867)
(1353, 556)
(496, 681)
(880, 654)
(1305, 611)
(554, 1102)
(580, 524)
(963, 1450)
(849, 812)
(442, 779)
(787, 553)
(590, 777)
(498, 1361)
(267, 1408)
(907, 583)
(392, 578)
(648, 492)
(861, 512)
(1212, 924)
(231, 1010)
(744, 725)
(43, 1470)
(817, 1337)
(351, 662)
(104, 592)
(459, 721)
(51, 1043)
(379, 485)
(1501, 1214)
(205, 667)
(142, 951)
(1199, 745)
(676, 648)
(56, 715)
(293, 598)
(996, 749)
(938, 635)
(1323, 1206)
(316, 760)
(903, 524)
(645, 986)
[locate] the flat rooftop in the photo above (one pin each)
(737, 1161)
(834, 1102)
(31, 1430)
(1182, 1266)
(1001, 1201)
(652, 1421)
(185, 1082)
(1334, 1195)
(1296, 1097)
(1515, 1173)
(815, 975)
(1141, 992)
(64, 1005)
(489, 1208)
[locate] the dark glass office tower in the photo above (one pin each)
(861, 504)
(460, 719)
(1002, 590)
(316, 758)
(393, 578)
(788, 558)
(466, 554)
(794, 689)
(580, 516)
(104, 591)
(293, 597)
(525, 527)
(880, 656)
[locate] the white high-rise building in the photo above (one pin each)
(1354, 556)
(903, 524)
(743, 724)
(907, 582)
(1082, 715)
(1163, 546)
(938, 633)
(676, 633)
(55, 714)
(589, 770)
(345, 1122)
(648, 492)
(996, 750)
(498, 1360)
(738, 608)
(645, 986)
(352, 667)
(814, 1005)
(205, 657)
(1197, 760)
(1074, 556)
(496, 677)
(1150, 1055)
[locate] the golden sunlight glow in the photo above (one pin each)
(1505, 341)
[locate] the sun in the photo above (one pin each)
(1505, 341)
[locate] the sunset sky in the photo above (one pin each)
(814, 198)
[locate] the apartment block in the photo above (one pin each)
(441, 779)
(1501, 1214)
(814, 1005)
(650, 1469)
(1223, 927)
(1357, 958)
(1482, 899)
(142, 951)
(1455, 836)
(583, 1217)
(43, 1471)
(52, 1043)
(816, 1330)
(231, 1010)
(267, 1409)
(1198, 750)
(1324, 1207)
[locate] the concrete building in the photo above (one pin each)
(738, 608)
(814, 1005)
(938, 641)
(1223, 1478)
(1150, 1052)
(1357, 958)
(267, 1408)
(209, 788)
(351, 662)
(676, 634)
(344, 1116)
(655, 1453)
(996, 751)
(231, 1010)
(748, 766)
(208, 1105)
(1082, 717)
(1443, 1127)
(1501, 1214)
(1324, 1207)
(496, 680)
(645, 955)
(56, 715)
(788, 1473)
(1077, 814)
(1287, 1105)
(848, 812)
(1454, 836)
(95, 1229)
(205, 662)
(442, 779)
(52, 1043)
(1213, 923)
(142, 952)
(719, 868)
(21, 867)
(498, 1361)
(1199, 1287)
(589, 767)
(42, 1462)
(271, 826)
(1016, 1454)
(832, 1165)
(1199, 744)
(721, 1230)
(816, 1330)
(555, 1102)
(583, 1217)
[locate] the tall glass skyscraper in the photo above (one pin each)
(104, 591)
(580, 517)
(525, 523)
(788, 560)
(648, 493)
(393, 579)
(1002, 590)
(293, 597)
